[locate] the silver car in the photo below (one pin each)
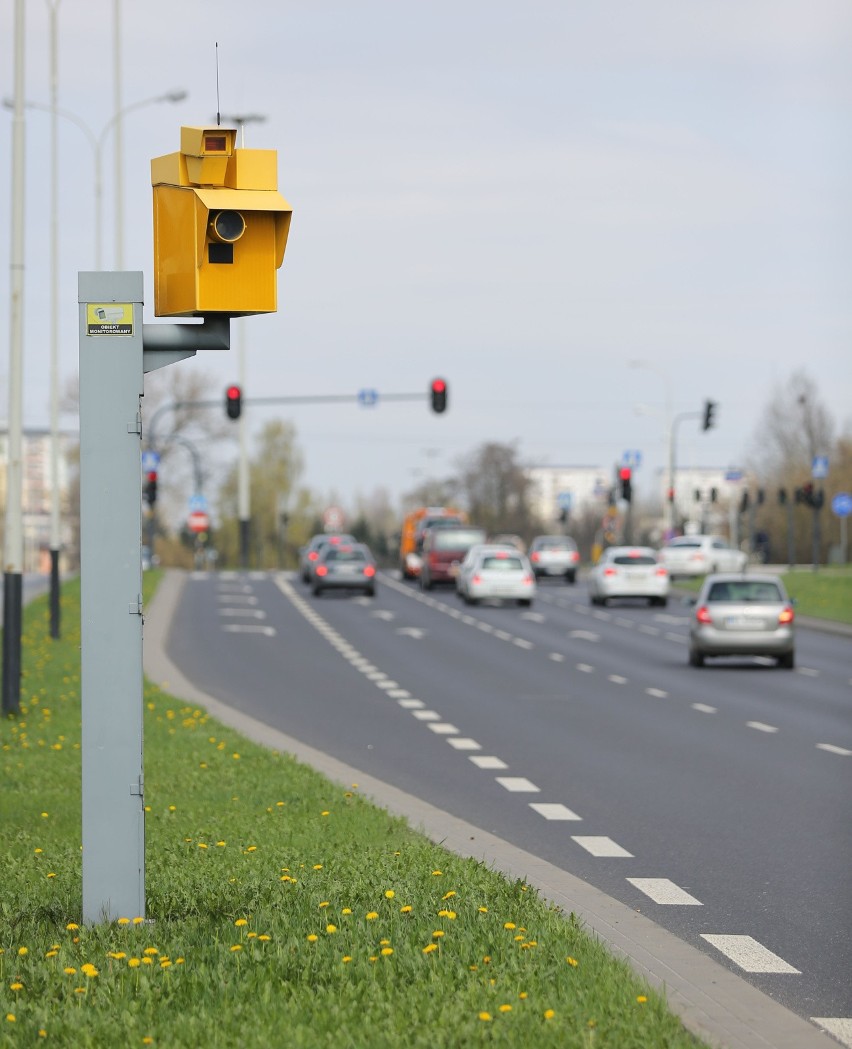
(628, 571)
(345, 566)
(742, 615)
(695, 555)
(496, 572)
(554, 555)
(310, 552)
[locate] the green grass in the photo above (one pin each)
(283, 909)
(824, 594)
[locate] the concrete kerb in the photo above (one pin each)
(713, 1003)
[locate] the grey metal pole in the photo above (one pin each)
(14, 540)
(118, 141)
(244, 492)
(55, 525)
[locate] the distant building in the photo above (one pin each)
(576, 489)
(36, 497)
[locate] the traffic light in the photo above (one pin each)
(714, 495)
(744, 502)
(625, 476)
(782, 496)
(438, 395)
(220, 227)
(233, 402)
(151, 487)
(709, 411)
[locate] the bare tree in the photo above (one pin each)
(794, 427)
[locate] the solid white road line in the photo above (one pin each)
(444, 728)
(839, 1026)
(486, 761)
(748, 954)
(663, 891)
(517, 784)
(554, 812)
(834, 750)
(601, 846)
(464, 743)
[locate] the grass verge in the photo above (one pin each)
(283, 908)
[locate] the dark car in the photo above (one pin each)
(309, 554)
(345, 566)
(444, 550)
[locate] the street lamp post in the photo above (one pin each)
(243, 482)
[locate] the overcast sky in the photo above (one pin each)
(522, 199)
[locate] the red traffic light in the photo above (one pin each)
(438, 395)
(233, 402)
(625, 473)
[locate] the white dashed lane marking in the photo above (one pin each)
(665, 892)
(761, 726)
(602, 847)
(748, 954)
(246, 628)
(834, 750)
(444, 728)
(703, 708)
(557, 657)
(464, 743)
(554, 812)
(411, 704)
(518, 785)
(658, 693)
(617, 679)
(426, 715)
(487, 761)
(584, 668)
(250, 613)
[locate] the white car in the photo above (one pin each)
(628, 571)
(496, 572)
(695, 555)
(554, 555)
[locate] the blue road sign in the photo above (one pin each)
(198, 504)
(565, 500)
(632, 458)
(368, 398)
(841, 504)
(819, 467)
(150, 460)
(733, 473)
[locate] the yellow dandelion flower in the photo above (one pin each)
(201, 845)
(325, 812)
(312, 937)
(263, 937)
(523, 995)
(437, 934)
(16, 987)
(179, 961)
(389, 894)
(123, 921)
(149, 961)
(44, 815)
(133, 963)
(486, 958)
(374, 957)
(323, 904)
(279, 803)
(240, 921)
(317, 867)
(37, 850)
(51, 954)
(118, 955)
(236, 757)
(449, 895)
(165, 963)
(150, 950)
(387, 950)
(237, 947)
(430, 947)
(89, 970)
(147, 1040)
(10, 1018)
(138, 920)
(252, 848)
(437, 874)
(79, 990)
(69, 970)
(221, 844)
(172, 808)
(406, 909)
(372, 915)
(549, 1014)
(485, 1016)
(252, 936)
(641, 998)
(331, 929)
(508, 925)
(346, 910)
(572, 961)
(23, 951)
(483, 910)
(505, 1008)
(518, 937)
(473, 968)
(51, 875)
(42, 1033)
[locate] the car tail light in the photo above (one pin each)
(313, 555)
(610, 571)
(787, 615)
(702, 614)
(369, 571)
(662, 571)
(528, 580)
(535, 556)
(575, 556)
(322, 570)
(476, 580)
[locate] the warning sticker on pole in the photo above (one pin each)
(109, 318)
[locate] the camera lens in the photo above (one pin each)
(227, 226)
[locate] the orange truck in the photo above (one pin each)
(411, 538)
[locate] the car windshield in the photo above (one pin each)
(553, 544)
(634, 559)
(684, 544)
(502, 564)
(744, 591)
(345, 553)
(456, 538)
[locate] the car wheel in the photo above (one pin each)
(571, 577)
(695, 658)
(317, 590)
(525, 602)
(370, 591)
(787, 661)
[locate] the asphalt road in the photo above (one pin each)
(715, 801)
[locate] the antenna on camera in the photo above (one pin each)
(218, 114)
